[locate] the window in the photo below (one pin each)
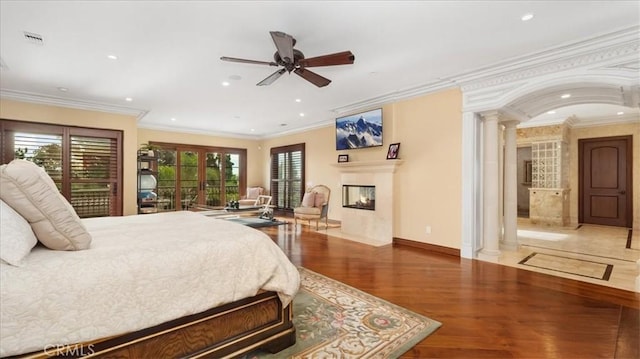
(287, 176)
(85, 164)
(191, 176)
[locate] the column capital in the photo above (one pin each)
(509, 123)
(501, 116)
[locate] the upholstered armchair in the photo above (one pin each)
(314, 206)
(252, 195)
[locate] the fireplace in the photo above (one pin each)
(362, 180)
(359, 197)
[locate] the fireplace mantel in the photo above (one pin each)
(374, 227)
(369, 166)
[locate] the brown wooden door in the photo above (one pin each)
(605, 181)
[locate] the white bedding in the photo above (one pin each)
(140, 271)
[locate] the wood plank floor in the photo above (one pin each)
(487, 310)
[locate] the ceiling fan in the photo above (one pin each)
(293, 60)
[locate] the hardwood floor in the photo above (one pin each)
(487, 310)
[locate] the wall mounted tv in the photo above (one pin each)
(359, 130)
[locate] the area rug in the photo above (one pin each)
(334, 320)
(256, 222)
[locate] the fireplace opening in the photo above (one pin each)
(359, 197)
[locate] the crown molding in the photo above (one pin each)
(584, 122)
(195, 131)
(71, 103)
(441, 84)
(615, 50)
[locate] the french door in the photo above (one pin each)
(193, 176)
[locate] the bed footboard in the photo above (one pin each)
(259, 322)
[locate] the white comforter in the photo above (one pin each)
(140, 271)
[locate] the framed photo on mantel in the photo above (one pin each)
(343, 158)
(394, 148)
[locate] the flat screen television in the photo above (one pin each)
(359, 130)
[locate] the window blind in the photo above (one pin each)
(84, 163)
(287, 176)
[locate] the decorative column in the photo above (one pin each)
(510, 238)
(490, 235)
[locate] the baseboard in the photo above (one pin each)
(426, 246)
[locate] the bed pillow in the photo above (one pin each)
(30, 191)
(309, 199)
(16, 237)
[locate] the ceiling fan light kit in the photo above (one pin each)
(291, 59)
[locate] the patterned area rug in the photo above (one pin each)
(334, 320)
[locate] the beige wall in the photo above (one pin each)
(14, 110)
(575, 134)
(428, 185)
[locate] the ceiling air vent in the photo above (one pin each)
(34, 38)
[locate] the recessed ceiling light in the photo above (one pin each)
(527, 17)
(128, 99)
(620, 113)
(225, 83)
(551, 112)
(112, 57)
(301, 114)
(253, 130)
(298, 100)
(173, 119)
(567, 95)
(283, 124)
(63, 89)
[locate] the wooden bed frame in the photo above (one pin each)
(259, 322)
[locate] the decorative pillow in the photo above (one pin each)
(30, 191)
(253, 192)
(319, 201)
(309, 199)
(16, 236)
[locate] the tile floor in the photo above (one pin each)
(590, 253)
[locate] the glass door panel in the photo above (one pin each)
(167, 180)
(189, 180)
(232, 176)
(213, 184)
(44, 150)
(94, 176)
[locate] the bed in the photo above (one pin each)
(175, 284)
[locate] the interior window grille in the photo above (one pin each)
(287, 176)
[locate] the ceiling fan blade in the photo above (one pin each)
(339, 58)
(312, 77)
(235, 59)
(271, 78)
(284, 44)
